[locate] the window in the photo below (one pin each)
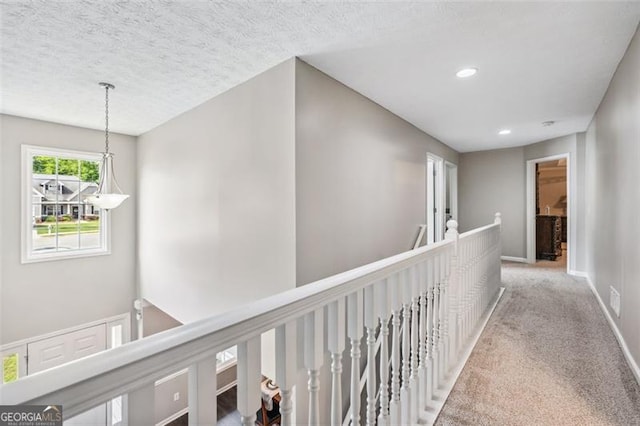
(57, 220)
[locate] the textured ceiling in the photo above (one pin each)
(537, 61)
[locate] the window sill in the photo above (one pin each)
(63, 256)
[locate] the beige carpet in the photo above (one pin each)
(546, 357)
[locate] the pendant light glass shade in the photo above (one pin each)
(109, 195)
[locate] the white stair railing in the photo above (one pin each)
(438, 293)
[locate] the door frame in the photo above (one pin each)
(435, 233)
(453, 189)
(531, 208)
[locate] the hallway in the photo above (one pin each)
(546, 357)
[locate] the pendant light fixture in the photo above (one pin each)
(109, 195)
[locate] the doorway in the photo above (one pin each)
(442, 197)
(435, 199)
(451, 192)
(549, 211)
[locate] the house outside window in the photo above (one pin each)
(57, 220)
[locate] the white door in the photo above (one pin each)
(435, 199)
(63, 348)
(51, 352)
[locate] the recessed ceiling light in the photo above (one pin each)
(504, 132)
(466, 72)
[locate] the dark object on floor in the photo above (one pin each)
(548, 237)
(272, 416)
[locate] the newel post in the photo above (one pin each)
(453, 302)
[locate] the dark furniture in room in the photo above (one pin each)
(548, 237)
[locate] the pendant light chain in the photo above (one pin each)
(106, 118)
(109, 195)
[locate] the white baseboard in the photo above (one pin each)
(580, 274)
(633, 365)
(514, 259)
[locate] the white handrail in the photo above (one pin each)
(428, 301)
(130, 366)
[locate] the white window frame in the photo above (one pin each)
(28, 255)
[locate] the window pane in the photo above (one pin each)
(90, 231)
(44, 165)
(68, 238)
(10, 368)
(44, 229)
(68, 167)
(90, 171)
(59, 219)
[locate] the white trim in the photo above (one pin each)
(27, 255)
(442, 393)
(453, 188)
(513, 259)
(633, 365)
(20, 346)
(225, 388)
(125, 318)
(172, 376)
(580, 274)
(173, 417)
(530, 212)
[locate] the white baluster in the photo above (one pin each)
(465, 290)
(354, 331)
(413, 378)
(429, 328)
(443, 314)
(405, 395)
(249, 378)
(286, 371)
(435, 345)
(202, 392)
(422, 350)
(370, 323)
(396, 303)
(313, 357)
(453, 291)
(335, 343)
(383, 300)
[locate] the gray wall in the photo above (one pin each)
(360, 178)
(613, 197)
(217, 207)
(494, 181)
(156, 320)
(42, 297)
(555, 146)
